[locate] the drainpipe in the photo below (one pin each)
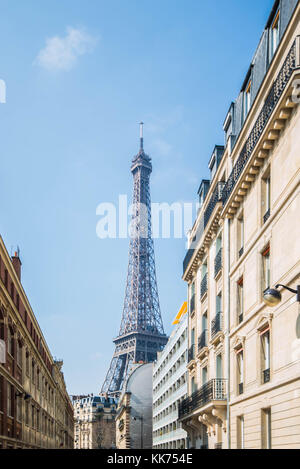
(227, 339)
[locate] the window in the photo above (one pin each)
(240, 235)
(213, 168)
(204, 375)
(266, 272)
(265, 355)
(26, 412)
(266, 429)
(240, 300)
(12, 290)
(219, 367)
(240, 432)
(240, 370)
(204, 279)
(27, 363)
(219, 303)
(10, 406)
(266, 196)
(247, 98)
(274, 35)
(1, 326)
(1, 393)
(19, 409)
(192, 298)
(32, 417)
(6, 278)
(38, 420)
(32, 372)
(19, 353)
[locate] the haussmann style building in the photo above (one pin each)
(95, 426)
(244, 356)
(35, 409)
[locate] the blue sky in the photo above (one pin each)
(80, 75)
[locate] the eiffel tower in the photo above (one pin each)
(141, 333)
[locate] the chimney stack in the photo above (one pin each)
(16, 261)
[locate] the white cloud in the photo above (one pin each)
(61, 53)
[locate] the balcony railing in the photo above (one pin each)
(203, 340)
(215, 198)
(266, 375)
(218, 262)
(203, 288)
(267, 216)
(214, 390)
(216, 325)
(191, 353)
(192, 304)
(272, 100)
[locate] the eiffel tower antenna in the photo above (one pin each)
(141, 333)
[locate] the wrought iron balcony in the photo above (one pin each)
(191, 353)
(266, 375)
(272, 100)
(214, 390)
(267, 216)
(215, 198)
(218, 262)
(241, 388)
(203, 340)
(241, 251)
(192, 304)
(216, 325)
(203, 287)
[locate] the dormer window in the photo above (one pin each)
(213, 168)
(247, 98)
(274, 34)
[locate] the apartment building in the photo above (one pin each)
(170, 387)
(94, 418)
(35, 409)
(244, 360)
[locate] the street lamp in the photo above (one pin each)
(272, 297)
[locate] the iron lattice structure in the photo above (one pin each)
(141, 333)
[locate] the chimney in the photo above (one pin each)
(16, 261)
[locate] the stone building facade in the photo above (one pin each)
(170, 387)
(35, 409)
(244, 356)
(95, 426)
